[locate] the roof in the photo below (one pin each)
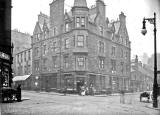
(41, 26)
(80, 3)
(68, 15)
(142, 71)
(20, 78)
(92, 18)
(117, 26)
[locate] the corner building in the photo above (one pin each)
(80, 45)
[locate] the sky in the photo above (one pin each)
(25, 15)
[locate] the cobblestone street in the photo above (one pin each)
(42, 103)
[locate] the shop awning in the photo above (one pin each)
(20, 78)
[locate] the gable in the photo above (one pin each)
(116, 27)
(92, 18)
(123, 31)
(45, 26)
(37, 29)
(67, 16)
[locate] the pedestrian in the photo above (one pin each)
(122, 96)
(65, 90)
(91, 89)
(18, 95)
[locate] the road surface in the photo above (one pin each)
(43, 103)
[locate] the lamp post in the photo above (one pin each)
(144, 31)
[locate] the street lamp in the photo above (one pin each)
(144, 31)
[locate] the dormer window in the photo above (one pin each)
(37, 37)
(78, 22)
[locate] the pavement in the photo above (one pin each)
(101, 95)
(53, 103)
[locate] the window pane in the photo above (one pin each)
(78, 22)
(54, 31)
(54, 59)
(29, 56)
(113, 63)
(101, 30)
(101, 47)
(101, 62)
(66, 43)
(113, 51)
(80, 41)
(67, 27)
(44, 49)
(83, 21)
(66, 61)
(80, 61)
(54, 46)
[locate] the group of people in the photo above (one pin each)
(85, 90)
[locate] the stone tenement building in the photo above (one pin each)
(23, 62)
(141, 76)
(23, 69)
(151, 61)
(21, 42)
(80, 45)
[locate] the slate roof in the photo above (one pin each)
(68, 15)
(92, 18)
(80, 3)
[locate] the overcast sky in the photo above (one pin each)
(25, 14)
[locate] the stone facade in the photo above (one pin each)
(141, 76)
(23, 62)
(21, 41)
(80, 45)
(5, 44)
(151, 61)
